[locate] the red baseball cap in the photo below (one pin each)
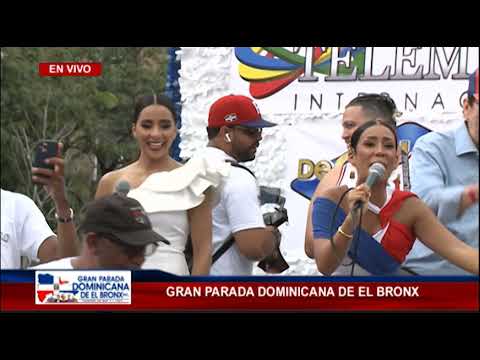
(473, 85)
(233, 110)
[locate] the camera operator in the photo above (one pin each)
(234, 132)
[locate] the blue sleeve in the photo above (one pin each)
(428, 179)
(322, 214)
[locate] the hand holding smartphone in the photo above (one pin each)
(45, 173)
(43, 150)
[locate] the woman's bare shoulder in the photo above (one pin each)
(176, 164)
(107, 182)
(115, 175)
(328, 181)
(412, 208)
(333, 193)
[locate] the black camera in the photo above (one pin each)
(274, 263)
(271, 195)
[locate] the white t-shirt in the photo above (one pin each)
(65, 263)
(238, 209)
(23, 229)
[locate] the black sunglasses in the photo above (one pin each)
(248, 130)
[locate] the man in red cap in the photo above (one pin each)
(234, 132)
(445, 175)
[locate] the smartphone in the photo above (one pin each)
(43, 150)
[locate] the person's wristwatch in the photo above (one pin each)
(67, 219)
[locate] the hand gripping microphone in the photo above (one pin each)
(122, 187)
(375, 172)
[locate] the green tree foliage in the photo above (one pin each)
(91, 116)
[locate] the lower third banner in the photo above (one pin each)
(158, 291)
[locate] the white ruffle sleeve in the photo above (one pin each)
(182, 188)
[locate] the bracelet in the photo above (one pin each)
(344, 233)
(65, 220)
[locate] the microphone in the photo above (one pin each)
(376, 171)
(122, 187)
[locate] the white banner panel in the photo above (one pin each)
(317, 79)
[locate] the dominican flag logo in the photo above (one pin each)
(230, 117)
(82, 287)
(52, 288)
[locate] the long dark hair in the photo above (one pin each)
(147, 100)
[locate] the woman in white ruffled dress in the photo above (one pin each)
(177, 198)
